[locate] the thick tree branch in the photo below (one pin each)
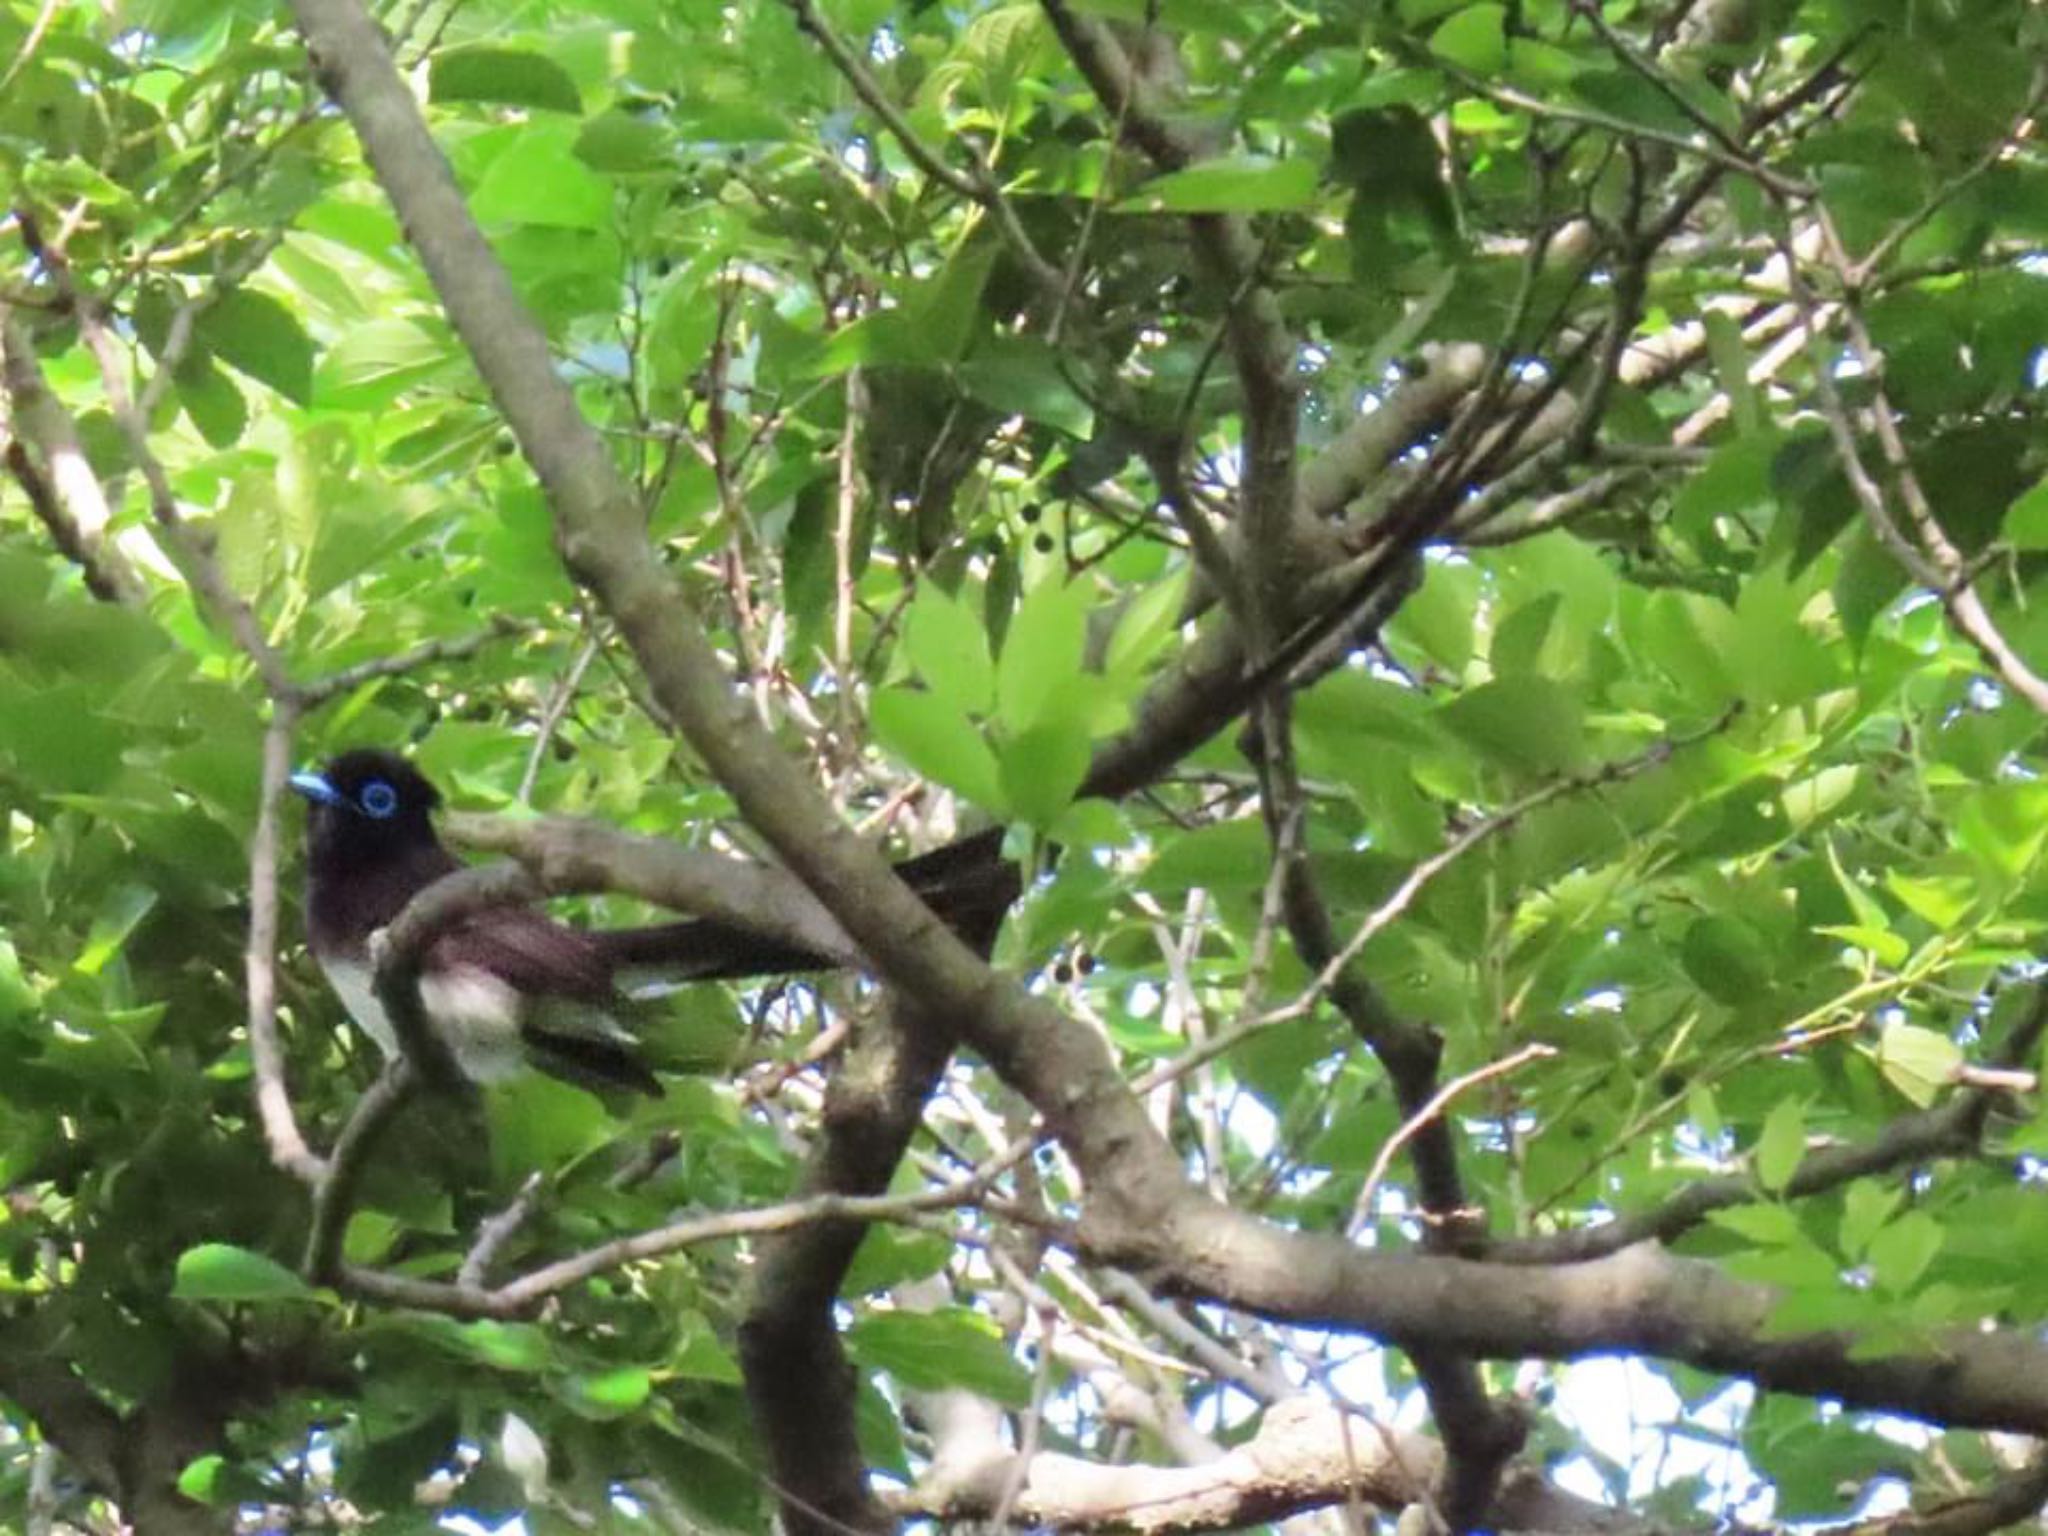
(1306, 1455)
(570, 854)
(799, 1381)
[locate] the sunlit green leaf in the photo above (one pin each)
(223, 1272)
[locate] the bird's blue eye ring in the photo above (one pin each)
(378, 799)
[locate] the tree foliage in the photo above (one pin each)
(1479, 562)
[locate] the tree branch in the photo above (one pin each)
(1306, 1455)
(62, 489)
(288, 1149)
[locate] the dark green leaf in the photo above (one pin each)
(1237, 184)
(508, 77)
(930, 1351)
(257, 335)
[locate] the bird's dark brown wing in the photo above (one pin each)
(569, 1015)
(532, 952)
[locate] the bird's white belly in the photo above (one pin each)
(475, 1013)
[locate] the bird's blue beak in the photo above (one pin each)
(314, 787)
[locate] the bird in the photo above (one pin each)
(502, 988)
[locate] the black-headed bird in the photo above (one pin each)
(502, 988)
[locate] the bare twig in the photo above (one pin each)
(288, 1147)
(522, 1295)
(494, 1234)
(1361, 1211)
(1403, 895)
(57, 477)
(321, 689)
(1926, 554)
(979, 188)
(560, 697)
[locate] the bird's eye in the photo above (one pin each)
(378, 799)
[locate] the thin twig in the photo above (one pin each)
(530, 1290)
(560, 697)
(321, 689)
(1403, 895)
(288, 1149)
(494, 1234)
(1414, 1124)
(980, 188)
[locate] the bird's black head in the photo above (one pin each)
(366, 806)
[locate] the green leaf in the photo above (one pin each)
(1942, 900)
(1727, 958)
(1146, 626)
(1022, 376)
(1040, 667)
(1900, 1253)
(1731, 366)
(1918, 1062)
(930, 1351)
(2002, 826)
(1229, 184)
(201, 1478)
(510, 77)
(1530, 723)
(937, 739)
(1042, 769)
(621, 143)
(122, 910)
(2026, 520)
(223, 1272)
(941, 316)
(1811, 800)
(375, 362)
(1781, 1146)
(888, 1256)
(1627, 96)
(537, 1122)
(1769, 1226)
(1474, 39)
(211, 399)
(949, 648)
(217, 1481)
(538, 179)
(607, 1394)
(1865, 1208)
(257, 335)
(1228, 856)
(522, 1348)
